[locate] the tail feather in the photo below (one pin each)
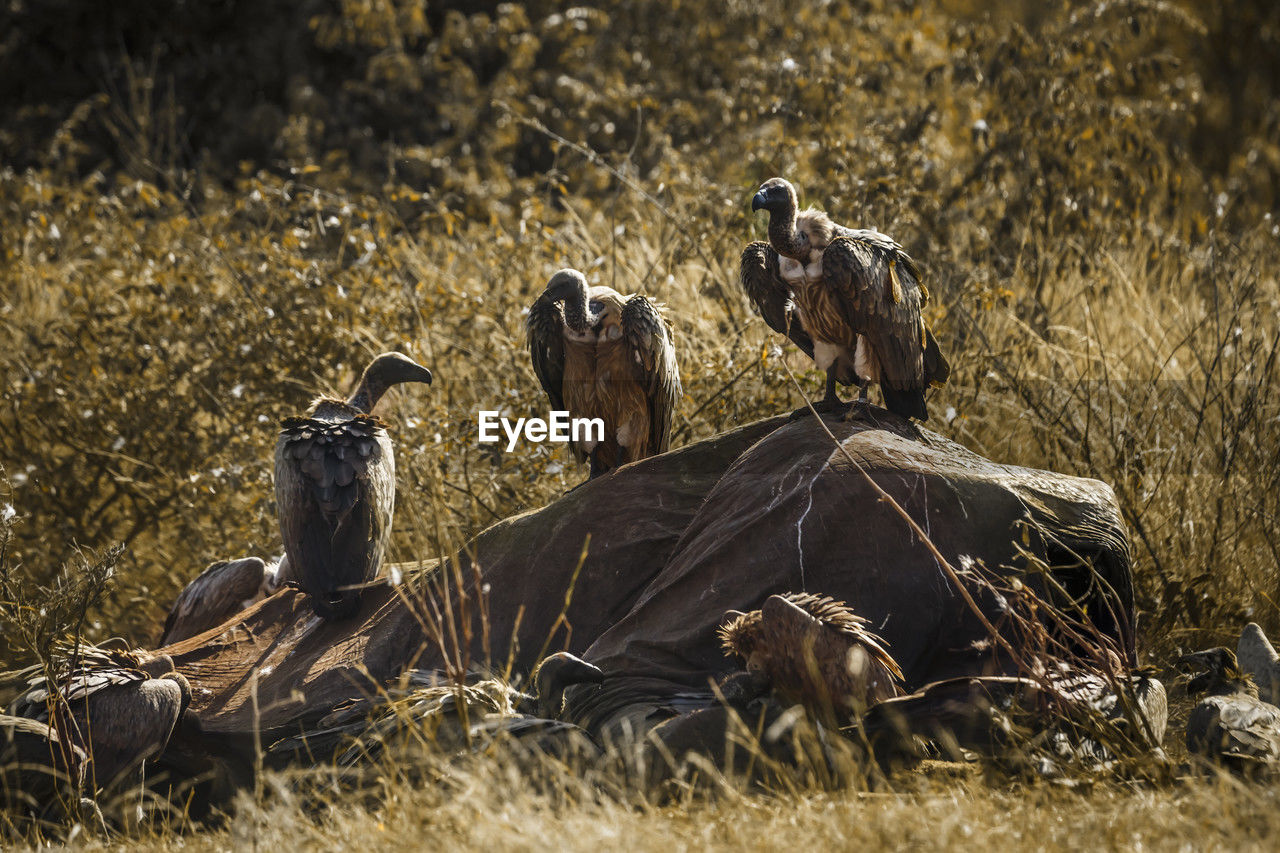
(909, 403)
(936, 368)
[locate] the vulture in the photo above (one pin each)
(111, 710)
(850, 299)
(813, 650)
(1258, 659)
(599, 354)
(555, 674)
(336, 489)
(218, 593)
(1230, 726)
(1081, 712)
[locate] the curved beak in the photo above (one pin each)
(759, 201)
(424, 375)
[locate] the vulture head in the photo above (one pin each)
(778, 196)
(569, 287)
(184, 690)
(390, 368)
(555, 674)
(1219, 672)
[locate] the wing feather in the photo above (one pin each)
(545, 331)
(876, 284)
(217, 593)
(760, 277)
(650, 338)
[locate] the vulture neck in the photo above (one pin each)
(367, 394)
(576, 313)
(784, 237)
(333, 409)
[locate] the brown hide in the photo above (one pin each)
(676, 540)
(306, 666)
(794, 514)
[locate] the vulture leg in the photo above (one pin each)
(830, 402)
(860, 409)
(596, 468)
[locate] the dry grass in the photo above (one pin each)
(1110, 304)
(491, 808)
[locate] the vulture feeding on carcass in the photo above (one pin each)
(218, 593)
(850, 299)
(599, 354)
(815, 651)
(336, 489)
(1230, 726)
(111, 708)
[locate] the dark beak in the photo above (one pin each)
(759, 201)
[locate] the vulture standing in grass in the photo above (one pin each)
(336, 489)
(1259, 659)
(850, 299)
(112, 709)
(218, 593)
(815, 651)
(599, 354)
(1230, 726)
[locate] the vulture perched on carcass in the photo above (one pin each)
(1230, 726)
(599, 354)
(218, 593)
(850, 299)
(111, 710)
(336, 489)
(815, 651)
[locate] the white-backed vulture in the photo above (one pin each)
(336, 489)
(815, 651)
(109, 707)
(599, 354)
(1230, 726)
(222, 590)
(850, 299)
(1258, 658)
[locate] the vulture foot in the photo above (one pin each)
(825, 406)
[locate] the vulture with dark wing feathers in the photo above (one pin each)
(336, 489)
(1230, 726)
(815, 651)
(113, 710)
(218, 593)
(850, 299)
(599, 354)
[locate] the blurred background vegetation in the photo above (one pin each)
(211, 211)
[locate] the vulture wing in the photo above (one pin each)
(335, 493)
(770, 293)
(215, 595)
(875, 283)
(878, 287)
(545, 329)
(649, 337)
